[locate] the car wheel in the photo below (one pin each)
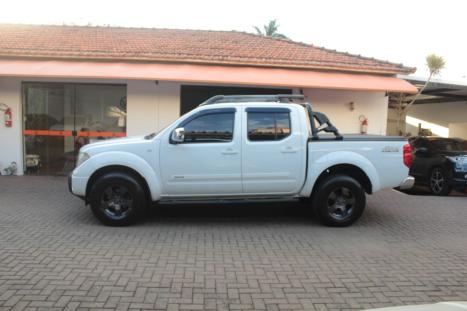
(117, 199)
(439, 182)
(339, 201)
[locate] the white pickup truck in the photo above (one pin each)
(260, 147)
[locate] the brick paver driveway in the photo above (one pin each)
(54, 254)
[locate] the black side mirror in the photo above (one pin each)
(422, 152)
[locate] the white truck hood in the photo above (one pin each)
(116, 143)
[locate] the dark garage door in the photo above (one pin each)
(193, 95)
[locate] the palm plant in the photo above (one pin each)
(270, 30)
(434, 64)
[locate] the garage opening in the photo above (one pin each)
(193, 95)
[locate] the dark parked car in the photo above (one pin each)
(439, 163)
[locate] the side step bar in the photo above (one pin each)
(205, 200)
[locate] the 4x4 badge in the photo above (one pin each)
(390, 149)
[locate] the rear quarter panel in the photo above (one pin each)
(382, 161)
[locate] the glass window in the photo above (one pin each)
(267, 126)
(282, 125)
(261, 126)
(448, 145)
(210, 128)
(60, 118)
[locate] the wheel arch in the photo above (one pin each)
(121, 169)
(349, 170)
(123, 161)
(354, 165)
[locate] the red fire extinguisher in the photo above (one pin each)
(363, 124)
(8, 117)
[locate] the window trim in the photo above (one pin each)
(201, 114)
(273, 111)
(267, 109)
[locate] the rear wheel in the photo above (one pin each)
(117, 199)
(339, 200)
(439, 182)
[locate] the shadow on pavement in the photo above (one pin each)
(283, 212)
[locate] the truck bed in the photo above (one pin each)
(361, 137)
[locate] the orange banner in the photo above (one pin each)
(70, 133)
(47, 133)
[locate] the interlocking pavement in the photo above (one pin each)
(55, 255)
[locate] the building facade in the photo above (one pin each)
(69, 86)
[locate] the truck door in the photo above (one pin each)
(273, 151)
(207, 162)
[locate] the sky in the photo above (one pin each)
(401, 31)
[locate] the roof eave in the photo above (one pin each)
(403, 70)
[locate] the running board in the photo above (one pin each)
(205, 200)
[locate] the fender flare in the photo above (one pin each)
(320, 165)
(126, 159)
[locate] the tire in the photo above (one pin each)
(439, 182)
(339, 201)
(117, 199)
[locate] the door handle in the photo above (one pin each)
(229, 151)
(289, 149)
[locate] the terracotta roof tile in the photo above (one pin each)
(173, 45)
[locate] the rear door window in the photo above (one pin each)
(268, 124)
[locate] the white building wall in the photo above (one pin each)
(11, 140)
(440, 113)
(141, 107)
(336, 105)
(458, 130)
(151, 106)
(451, 116)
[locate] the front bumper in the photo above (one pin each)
(407, 183)
(77, 186)
(459, 180)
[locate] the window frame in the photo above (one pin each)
(273, 111)
(203, 113)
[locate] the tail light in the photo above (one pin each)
(407, 155)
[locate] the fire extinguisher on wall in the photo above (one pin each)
(363, 124)
(7, 115)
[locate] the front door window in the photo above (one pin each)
(212, 128)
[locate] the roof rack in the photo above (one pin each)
(252, 98)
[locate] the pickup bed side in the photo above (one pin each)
(372, 157)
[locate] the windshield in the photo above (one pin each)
(450, 145)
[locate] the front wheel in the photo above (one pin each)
(117, 199)
(339, 200)
(439, 182)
